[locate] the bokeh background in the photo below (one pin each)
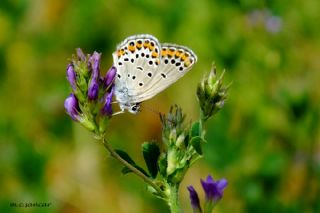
(265, 141)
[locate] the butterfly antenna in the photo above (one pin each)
(151, 109)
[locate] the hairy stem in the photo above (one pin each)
(173, 200)
(132, 168)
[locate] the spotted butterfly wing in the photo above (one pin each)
(175, 62)
(136, 60)
(145, 68)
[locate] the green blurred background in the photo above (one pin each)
(265, 141)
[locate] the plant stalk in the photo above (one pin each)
(173, 199)
(132, 168)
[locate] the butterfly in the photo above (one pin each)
(146, 67)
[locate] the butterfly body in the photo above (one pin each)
(145, 68)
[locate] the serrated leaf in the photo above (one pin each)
(196, 143)
(196, 129)
(151, 153)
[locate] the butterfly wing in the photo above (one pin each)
(137, 58)
(175, 62)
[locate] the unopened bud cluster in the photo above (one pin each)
(180, 149)
(211, 94)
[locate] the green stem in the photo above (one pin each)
(173, 200)
(132, 168)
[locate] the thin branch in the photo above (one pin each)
(132, 168)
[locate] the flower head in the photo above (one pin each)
(72, 107)
(213, 189)
(88, 92)
(211, 94)
(213, 193)
(194, 198)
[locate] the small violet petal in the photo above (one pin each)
(107, 108)
(71, 76)
(93, 90)
(194, 198)
(80, 54)
(110, 76)
(71, 106)
(213, 189)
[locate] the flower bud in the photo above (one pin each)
(213, 191)
(71, 76)
(180, 140)
(93, 90)
(80, 54)
(194, 199)
(172, 161)
(72, 107)
(108, 79)
(173, 136)
(107, 108)
(211, 94)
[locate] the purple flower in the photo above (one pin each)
(80, 54)
(108, 79)
(107, 108)
(71, 76)
(213, 193)
(93, 90)
(213, 189)
(273, 24)
(194, 198)
(72, 107)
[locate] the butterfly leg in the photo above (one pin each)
(117, 113)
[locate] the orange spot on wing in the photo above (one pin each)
(139, 45)
(171, 52)
(120, 52)
(183, 57)
(154, 54)
(178, 54)
(164, 52)
(131, 48)
(146, 44)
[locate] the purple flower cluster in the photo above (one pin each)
(91, 93)
(213, 193)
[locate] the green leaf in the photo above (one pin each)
(196, 143)
(127, 158)
(151, 153)
(196, 129)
